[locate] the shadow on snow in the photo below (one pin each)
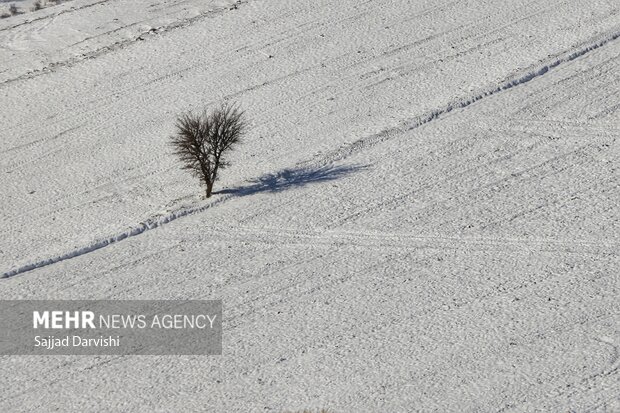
(292, 178)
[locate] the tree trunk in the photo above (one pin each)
(211, 180)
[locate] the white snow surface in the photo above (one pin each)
(423, 216)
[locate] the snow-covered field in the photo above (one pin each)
(424, 216)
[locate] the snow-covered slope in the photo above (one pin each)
(423, 217)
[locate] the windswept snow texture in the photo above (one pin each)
(424, 216)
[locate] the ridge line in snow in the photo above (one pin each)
(525, 76)
(339, 154)
(148, 224)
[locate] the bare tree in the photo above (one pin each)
(202, 140)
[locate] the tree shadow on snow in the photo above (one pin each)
(293, 178)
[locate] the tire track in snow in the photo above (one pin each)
(120, 44)
(71, 8)
(339, 154)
